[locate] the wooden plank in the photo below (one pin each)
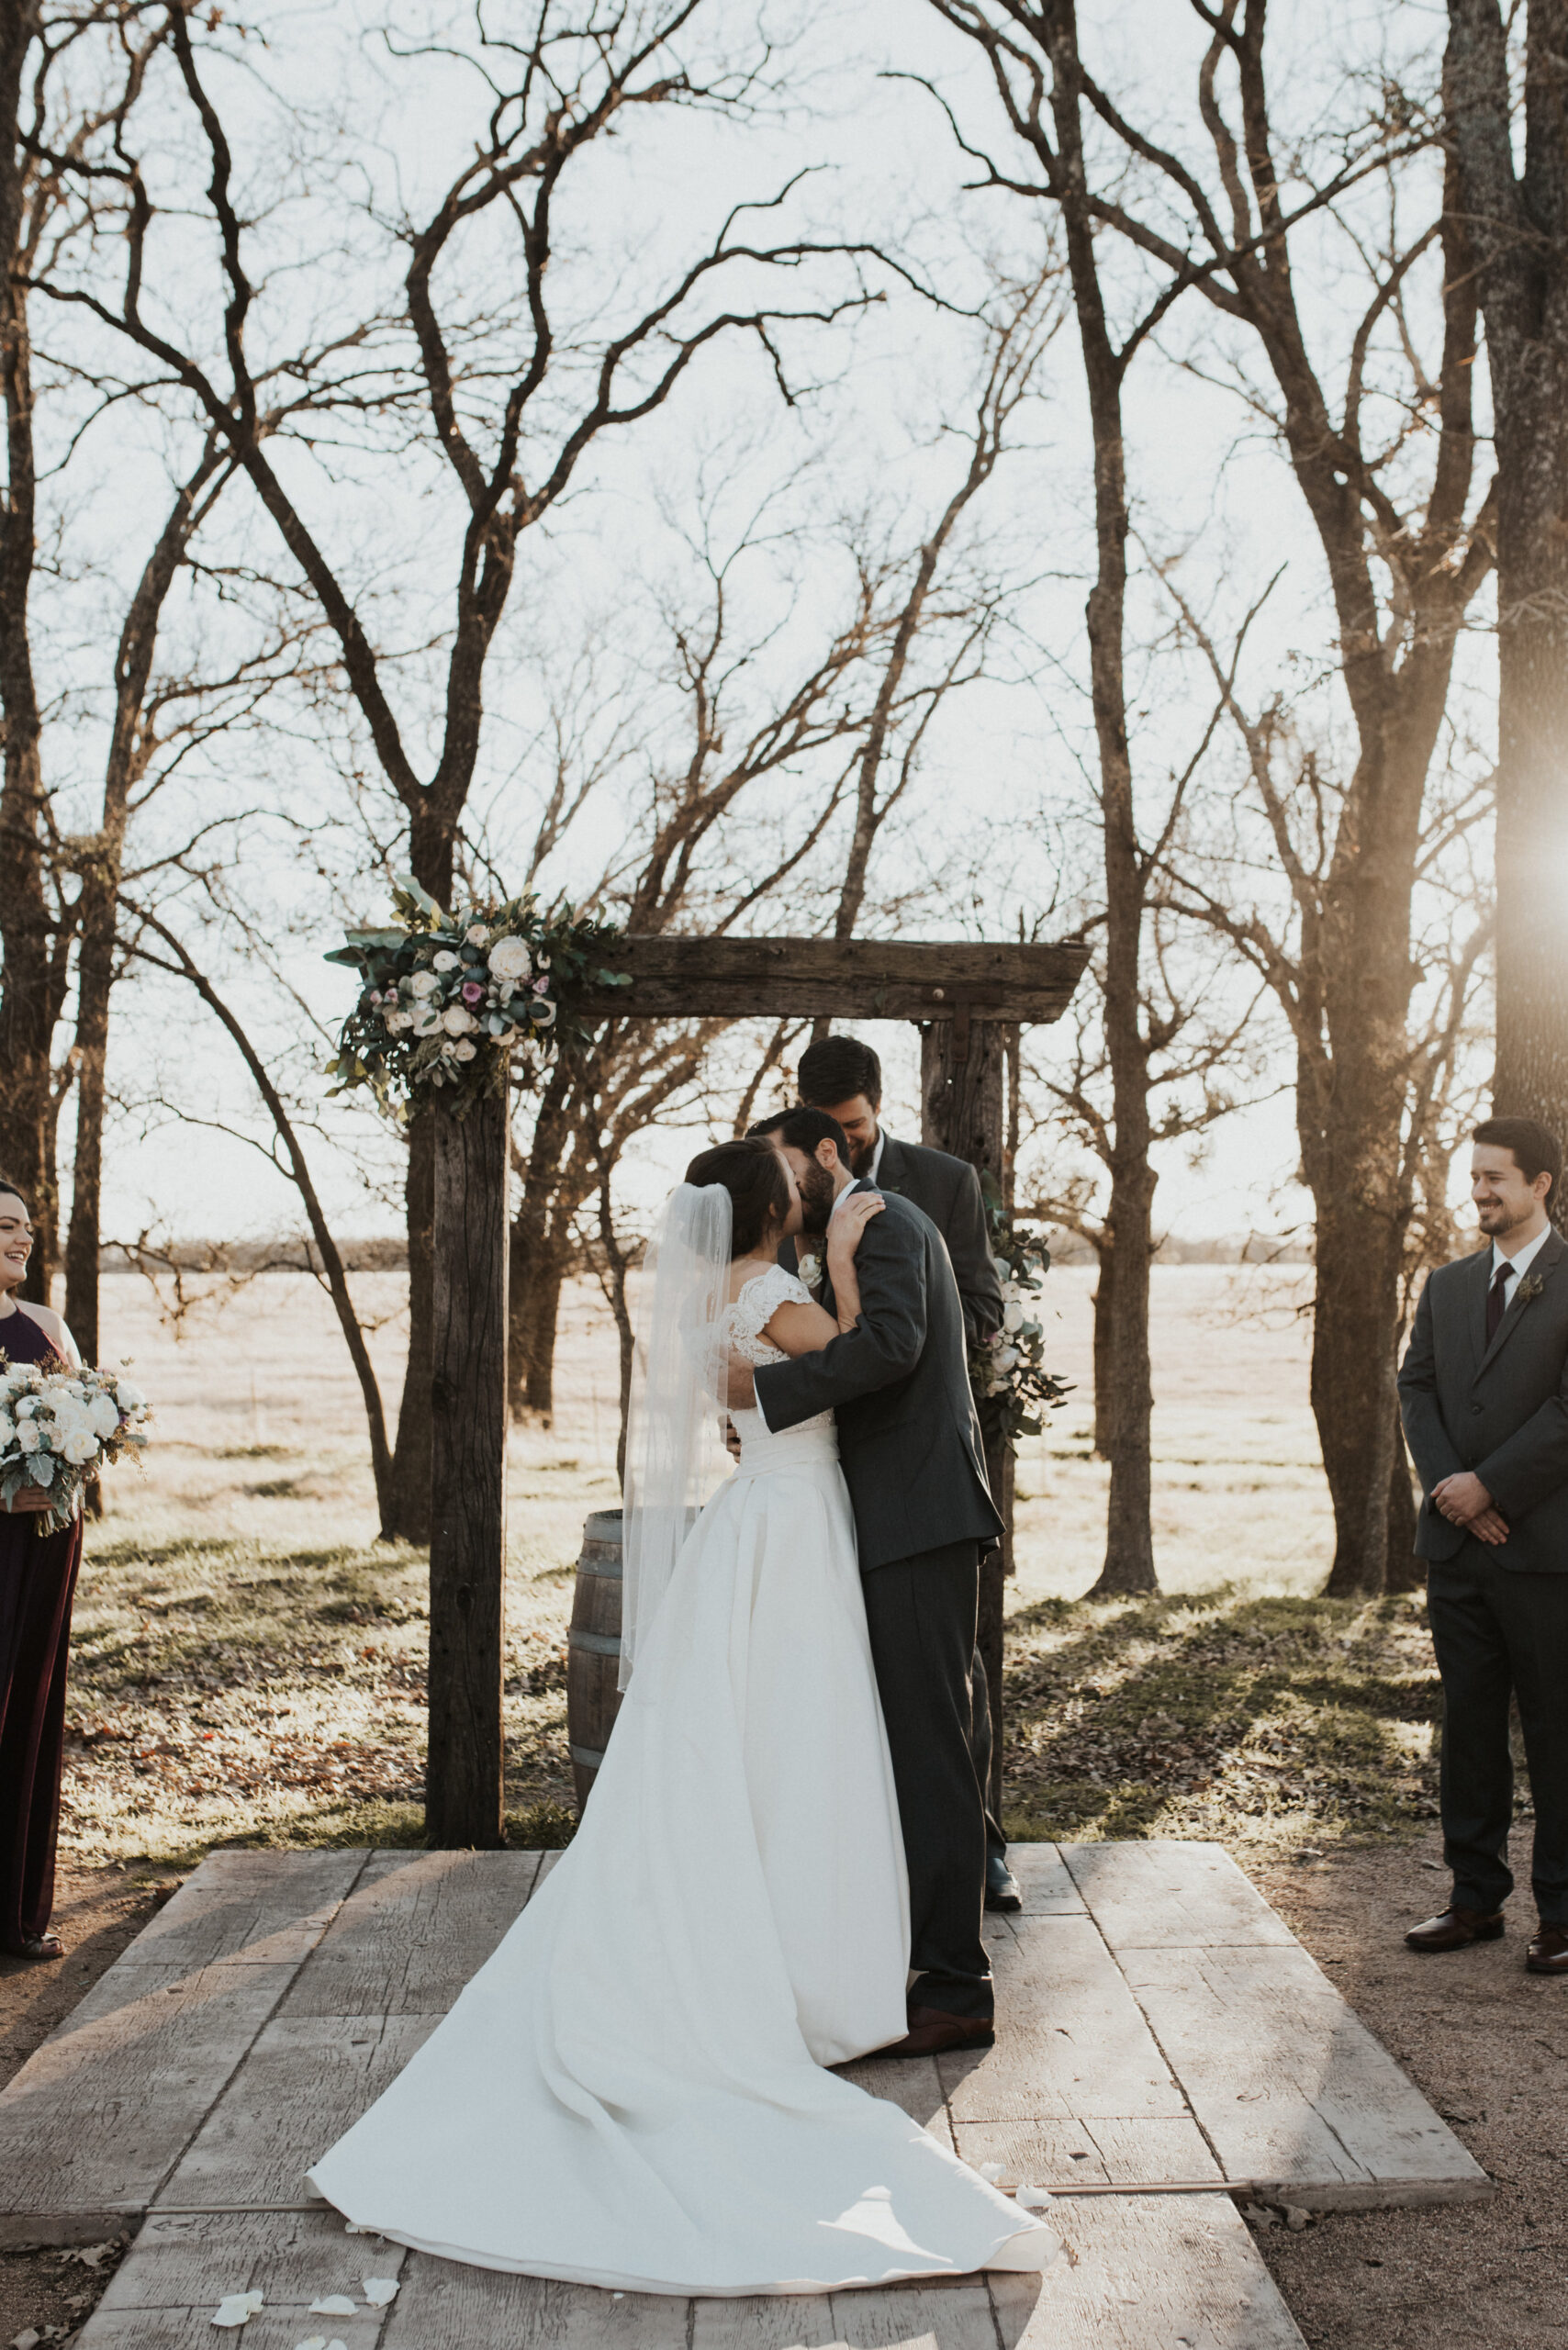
(1152, 2272)
(97, 2118)
(1104, 2152)
(1043, 1880)
(1289, 2084)
(465, 1772)
(913, 2083)
(1167, 1894)
(446, 2305)
(945, 2313)
(766, 2322)
(417, 1928)
(267, 1908)
(1071, 2040)
(304, 2081)
(869, 978)
(294, 2258)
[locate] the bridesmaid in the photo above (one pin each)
(38, 1583)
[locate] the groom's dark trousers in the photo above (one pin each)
(911, 1447)
(1497, 1407)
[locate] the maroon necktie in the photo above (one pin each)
(1497, 1299)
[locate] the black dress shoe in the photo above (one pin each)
(1002, 1888)
(1456, 1929)
(934, 2032)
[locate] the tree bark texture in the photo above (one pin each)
(410, 1517)
(1104, 1292)
(464, 1790)
(1518, 225)
(33, 986)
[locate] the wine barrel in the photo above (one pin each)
(593, 1660)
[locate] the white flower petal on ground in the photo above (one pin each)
(1034, 2198)
(333, 2305)
(379, 2291)
(237, 2309)
(312, 2342)
(990, 2171)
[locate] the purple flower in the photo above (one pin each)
(472, 991)
(541, 987)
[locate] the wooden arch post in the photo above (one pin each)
(962, 991)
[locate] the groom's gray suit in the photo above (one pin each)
(911, 1447)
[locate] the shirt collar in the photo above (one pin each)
(1522, 1259)
(839, 1202)
(872, 1171)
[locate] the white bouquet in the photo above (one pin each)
(60, 1427)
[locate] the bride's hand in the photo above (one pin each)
(843, 1232)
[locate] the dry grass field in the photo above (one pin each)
(250, 1660)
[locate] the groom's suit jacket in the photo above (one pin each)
(899, 1381)
(1500, 1410)
(948, 1191)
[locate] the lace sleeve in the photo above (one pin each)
(758, 1303)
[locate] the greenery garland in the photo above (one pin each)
(449, 1000)
(1012, 1388)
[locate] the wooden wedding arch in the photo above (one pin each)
(965, 995)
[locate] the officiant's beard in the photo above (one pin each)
(818, 1192)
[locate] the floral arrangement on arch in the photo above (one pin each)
(59, 1428)
(1012, 1388)
(447, 999)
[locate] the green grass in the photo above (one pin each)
(228, 1689)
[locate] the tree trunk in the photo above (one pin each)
(1406, 1571)
(1354, 1399)
(94, 980)
(410, 1514)
(538, 1324)
(1518, 223)
(465, 1791)
(1105, 1385)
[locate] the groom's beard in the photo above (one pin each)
(816, 1189)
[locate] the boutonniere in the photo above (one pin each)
(1531, 1286)
(809, 1270)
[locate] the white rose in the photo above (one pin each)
(29, 1435)
(128, 1397)
(464, 1049)
(81, 1446)
(476, 935)
(1007, 1360)
(397, 1021)
(510, 959)
(102, 1417)
(426, 1022)
(457, 1020)
(26, 1408)
(423, 984)
(1012, 1319)
(7, 1430)
(447, 960)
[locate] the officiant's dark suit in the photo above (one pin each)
(910, 1444)
(1497, 1407)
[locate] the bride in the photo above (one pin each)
(632, 2092)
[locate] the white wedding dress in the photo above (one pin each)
(630, 2092)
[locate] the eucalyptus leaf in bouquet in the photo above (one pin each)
(59, 1429)
(447, 999)
(1012, 1388)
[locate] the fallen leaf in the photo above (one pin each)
(379, 2291)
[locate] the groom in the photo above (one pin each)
(910, 1444)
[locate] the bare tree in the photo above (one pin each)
(1405, 555)
(544, 103)
(1517, 221)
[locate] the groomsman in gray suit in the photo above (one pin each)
(844, 1077)
(1484, 1391)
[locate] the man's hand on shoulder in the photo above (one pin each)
(1465, 1501)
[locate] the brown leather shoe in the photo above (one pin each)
(1456, 1929)
(1548, 1952)
(934, 2032)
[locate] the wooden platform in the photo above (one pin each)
(1164, 2043)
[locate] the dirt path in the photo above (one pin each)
(1488, 2044)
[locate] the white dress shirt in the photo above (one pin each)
(876, 1155)
(1519, 1264)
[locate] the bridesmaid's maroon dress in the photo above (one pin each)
(38, 1583)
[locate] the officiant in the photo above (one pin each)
(843, 1077)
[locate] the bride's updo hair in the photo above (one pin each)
(754, 1176)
